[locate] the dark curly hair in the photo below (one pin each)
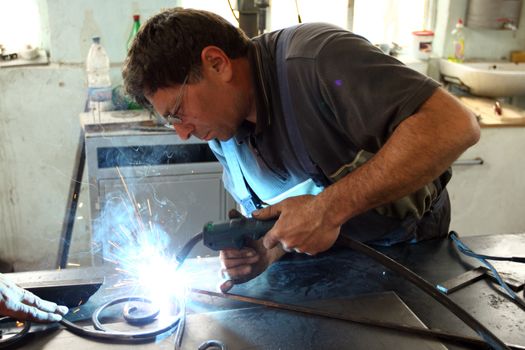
(169, 46)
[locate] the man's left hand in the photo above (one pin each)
(303, 225)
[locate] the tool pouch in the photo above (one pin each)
(415, 204)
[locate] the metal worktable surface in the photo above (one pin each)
(343, 273)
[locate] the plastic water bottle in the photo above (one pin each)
(99, 82)
(458, 42)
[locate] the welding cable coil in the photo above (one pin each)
(4, 343)
(102, 332)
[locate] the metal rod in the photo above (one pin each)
(72, 203)
(474, 161)
(424, 332)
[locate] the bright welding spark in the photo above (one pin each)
(131, 197)
(115, 245)
(124, 230)
(162, 282)
(147, 266)
(149, 208)
(150, 225)
(140, 251)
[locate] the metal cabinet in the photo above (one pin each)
(152, 182)
(177, 204)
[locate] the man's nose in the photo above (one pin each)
(184, 131)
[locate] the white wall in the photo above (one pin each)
(39, 127)
(39, 133)
(479, 43)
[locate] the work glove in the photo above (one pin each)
(22, 305)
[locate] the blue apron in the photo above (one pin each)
(243, 177)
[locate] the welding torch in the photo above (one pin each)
(230, 234)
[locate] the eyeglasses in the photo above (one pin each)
(175, 118)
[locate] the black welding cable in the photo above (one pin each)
(186, 249)
(492, 340)
(127, 337)
(4, 343)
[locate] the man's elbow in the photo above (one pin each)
(462, 124)
(470, 130)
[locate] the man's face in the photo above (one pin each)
(208, 109)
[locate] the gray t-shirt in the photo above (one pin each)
(348, 97)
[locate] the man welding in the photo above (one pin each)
(312, 124)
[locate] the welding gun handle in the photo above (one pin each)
(254, 228)
(232, 234)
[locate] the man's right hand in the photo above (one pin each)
(21, 304)
(239, 266)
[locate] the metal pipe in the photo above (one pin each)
(72, 203)
(474, 161)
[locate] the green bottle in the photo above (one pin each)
(120, 98)
(134, 31)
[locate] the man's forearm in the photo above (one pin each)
(421, 148)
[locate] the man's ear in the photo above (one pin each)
(216, 62)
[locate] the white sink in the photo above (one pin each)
(491, 78)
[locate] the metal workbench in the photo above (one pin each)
(339, 280)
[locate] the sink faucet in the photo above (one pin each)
(497, 108)
(508, 24)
